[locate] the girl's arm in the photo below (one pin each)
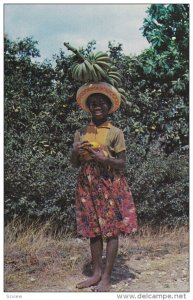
(74, 158)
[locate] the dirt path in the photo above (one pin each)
(168, 273)
(136, 270)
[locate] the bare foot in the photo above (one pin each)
(103, 286)
(89, 282)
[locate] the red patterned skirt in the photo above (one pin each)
(104, 204)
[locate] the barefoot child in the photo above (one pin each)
(104, 204)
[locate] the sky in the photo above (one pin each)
(78, 24)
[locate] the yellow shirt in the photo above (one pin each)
(108, 136)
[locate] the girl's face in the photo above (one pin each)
(99, 106)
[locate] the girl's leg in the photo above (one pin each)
(96, 247)
(111, 253)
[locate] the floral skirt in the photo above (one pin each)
(104, 204)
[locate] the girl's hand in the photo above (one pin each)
(79, 147)
(117, 163)
(97, 155)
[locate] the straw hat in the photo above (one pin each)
(103, 88)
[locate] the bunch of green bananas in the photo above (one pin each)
(94, 68)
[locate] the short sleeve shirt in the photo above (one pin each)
(108, 136)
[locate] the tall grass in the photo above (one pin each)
(35, 248)
(41, 245)
(174, 237)
(37, 237)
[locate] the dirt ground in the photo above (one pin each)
(151, 266)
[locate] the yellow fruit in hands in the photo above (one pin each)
(105, 153)
(94, 145)
(86, 153)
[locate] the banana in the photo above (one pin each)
(111, 81)
(85, 72)
(94, 145)
(74, 72)
(105, 153)
(100, 71)
(97, 78)
(104, 58)
(80, 73)
(97, 72)
(93, 74)
(88, 65)
(116, 78)
(115, 82)
(73, 67)
(103, 64)
(100, 54)
(114, 73)
(121, 91)
(123, 94)
(89, 69)
(113, 68)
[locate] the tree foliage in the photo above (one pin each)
(165, 67)
(41, 117)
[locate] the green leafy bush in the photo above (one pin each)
(160, 188)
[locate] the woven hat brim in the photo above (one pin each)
(102, 87)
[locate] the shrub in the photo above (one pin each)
(160, 188)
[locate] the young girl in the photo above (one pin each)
(104, 204)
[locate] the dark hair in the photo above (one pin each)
(104, 97)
